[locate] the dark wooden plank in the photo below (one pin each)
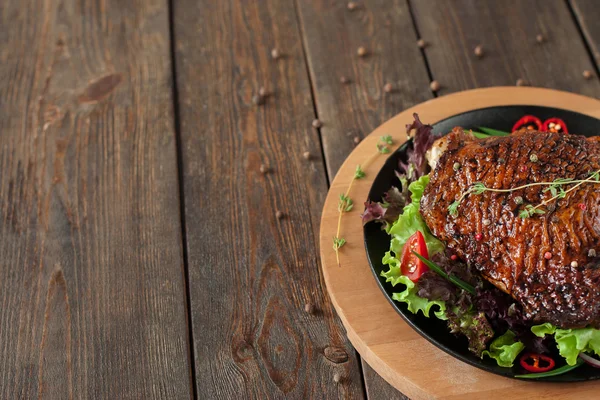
(377, 387)
(507, 32)
(332, 36)
(587, 13)
(91, 289)
(251, 274)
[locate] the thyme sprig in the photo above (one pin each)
(338, 242)
(382, 148)
(384, 142)
(387, 139)
(555, 188)
(359, 173)
(345, 204)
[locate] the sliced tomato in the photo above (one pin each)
(410, 265)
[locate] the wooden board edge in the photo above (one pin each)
(353, 256)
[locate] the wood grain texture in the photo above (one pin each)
(507, 32)
(332, 35)
(587, 13)
(377, 388)
(250, 273)
(382, 338)
(91, 285)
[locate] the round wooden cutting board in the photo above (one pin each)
(399, 354)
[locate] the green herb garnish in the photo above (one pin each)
(382, 148)
(557, 371)
(530, 211)
(387, 139)
(493, 132)
(452, 278)
(479, 135)
(338, 242)
(555, 188)
(359, 173)
(345, 204)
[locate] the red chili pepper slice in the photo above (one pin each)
(555, 125)
(528, 121)
(533, 362)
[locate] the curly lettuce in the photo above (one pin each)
(403, 228)
(409, 295)
(474, 326)
(571, 342)
(411, 221)
(504, 349)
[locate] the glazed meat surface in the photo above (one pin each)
(547, 262)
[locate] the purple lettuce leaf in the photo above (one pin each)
(433, 287)
(373, 212)
(416, 165)
(504, 313)
(464, 318)
(394, 200)
(387, 211)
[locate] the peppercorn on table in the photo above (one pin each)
(163, 167)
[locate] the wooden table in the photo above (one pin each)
(141, 175)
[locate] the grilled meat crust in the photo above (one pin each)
(514, 253)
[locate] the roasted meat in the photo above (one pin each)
(547, 262)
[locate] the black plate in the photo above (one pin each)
(377, 242)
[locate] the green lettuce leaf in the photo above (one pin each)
(409, 294)
(504, 349)
(411, 221)
(571, 342)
